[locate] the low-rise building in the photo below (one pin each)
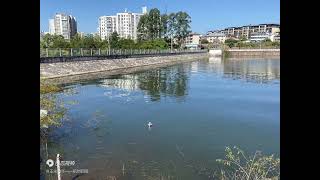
(215, 37)
(276, 37)
(192, 41)
(260, 36)
(247, 30)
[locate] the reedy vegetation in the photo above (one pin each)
(243, 167)
(49, 102)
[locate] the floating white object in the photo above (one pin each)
(43, 113)
(149, 124)
(45, 126)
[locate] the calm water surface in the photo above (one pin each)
(197, 109)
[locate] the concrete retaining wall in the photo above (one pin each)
(215, 52)
(254, 52)
(64, 69)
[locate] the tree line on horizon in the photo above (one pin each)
(155, 31)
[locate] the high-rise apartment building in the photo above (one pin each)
(125, 24)
(51, 26)
(107, 25)
(62, 24)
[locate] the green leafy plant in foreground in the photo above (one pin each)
(243, 167)
(50, 103)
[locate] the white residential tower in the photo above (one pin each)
(125, 24)
(62, 24)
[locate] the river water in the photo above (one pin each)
(197, 109)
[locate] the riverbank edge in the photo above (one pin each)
(251, 53)
(115, 67)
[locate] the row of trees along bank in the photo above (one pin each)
(155, 31)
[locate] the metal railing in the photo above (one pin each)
(69, 52)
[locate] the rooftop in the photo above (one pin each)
(194, 33)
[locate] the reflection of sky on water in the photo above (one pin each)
(108, 125)
(124, 96)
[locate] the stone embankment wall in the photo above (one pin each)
(85, 68)
(253, 53)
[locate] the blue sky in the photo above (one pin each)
(205, 14)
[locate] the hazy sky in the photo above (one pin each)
(205, 14)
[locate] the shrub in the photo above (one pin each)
(243, 167)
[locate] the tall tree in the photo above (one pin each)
(143, 28)
(76, 41)
(171, 27)
(164, 25)
(58, 41)
(47, 40)
(154, 23)
(182, 27)
(114, 40)
(88, 42)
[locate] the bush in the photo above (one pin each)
(230, 42)
(242, 167)
(153, 44)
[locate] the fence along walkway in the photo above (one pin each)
(69, 52)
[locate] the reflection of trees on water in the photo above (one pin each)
(125, 82)
(258, 71)
(171, 81)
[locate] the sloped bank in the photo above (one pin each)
(66, 72)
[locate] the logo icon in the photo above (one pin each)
(50, 162)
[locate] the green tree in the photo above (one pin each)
(104, 44)
(182, 27)
(89, 42)
(114, 40)
(76, 41)
(230, 42)
(204, 41)
(171, 26)
(154, 23)
(58, 41)
(143, 28)
(159, 44)
(164, 25)
(126, 44)
(47, 41)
